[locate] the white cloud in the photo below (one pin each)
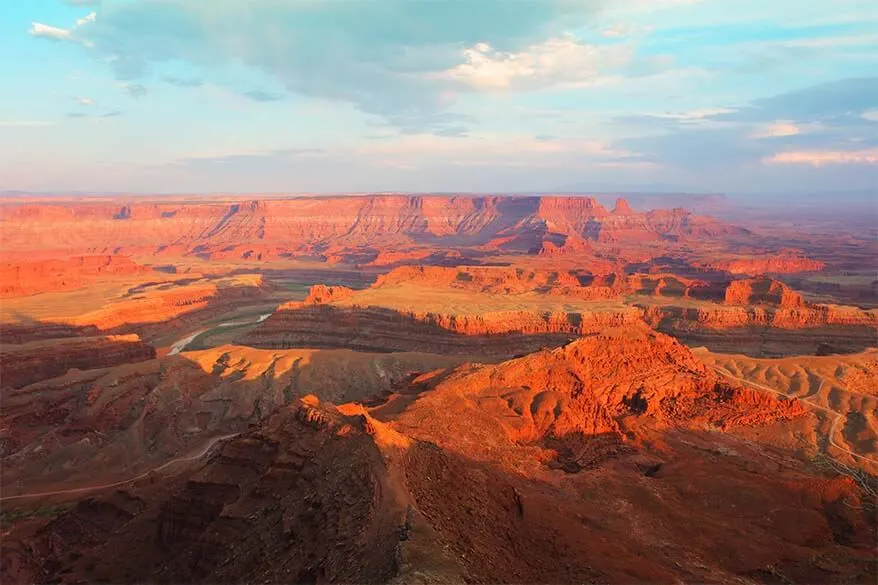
(693, 115)
(818, 158)
(84, 101)
(90, 18)
(776, 130)
(54, 33)
(871, 115)
(561, 61)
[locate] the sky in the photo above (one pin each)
(174, 96)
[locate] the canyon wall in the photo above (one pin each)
(31, 362)
(275, 228)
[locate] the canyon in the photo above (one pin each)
(398, 388)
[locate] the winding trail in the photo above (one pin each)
(833, 429)
(184, 342)
(192, 457)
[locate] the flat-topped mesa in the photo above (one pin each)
(569, 215)
(763, 291)
(787, 261)
(622, 207)
(22, 276)
(321, 293)
(352, 229)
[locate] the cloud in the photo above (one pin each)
(84, 101)
(818, 158)
(262, 96)
(385, 58)
(819, 103)
(53, 33)
(183, 81)
(777, 129)
(135, 90)
(560, 61)
(90, 18)
(870, 115)
(111, 114)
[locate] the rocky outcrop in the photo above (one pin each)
(303, 498)
(768, 331)
(762, 291)
(320, 293)
(26, 277)
(622, 440)
(26, 363)
(492, 334)
(780, 262)
(586, 389)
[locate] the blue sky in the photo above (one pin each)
(438, 95)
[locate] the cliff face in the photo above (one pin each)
(27, 277)
(494, 334)
(782, 262)
(763, 291)
(264, 229)
(27, 363)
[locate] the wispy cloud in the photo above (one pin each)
(819, 158)
(776, 130)
(183, 81)
(111, 114)
(84, 101)
(135, 90)
(262, 96)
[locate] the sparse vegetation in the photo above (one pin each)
(10, 517)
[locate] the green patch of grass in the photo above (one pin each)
(10, 517)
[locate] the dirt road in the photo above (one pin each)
(833, 429)
(93, 488)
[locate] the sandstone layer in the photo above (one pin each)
(27, 277)
(26, 363)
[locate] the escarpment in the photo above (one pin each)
(493, 334)
(30, 362)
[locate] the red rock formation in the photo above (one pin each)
(622, 207)
(164, 307)
(762, 291)
(782, 262)
(26, 363)
(320, 293)
(601, 461)
(335, 516)
(27, 277)
(492, 334)
(335, 227)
